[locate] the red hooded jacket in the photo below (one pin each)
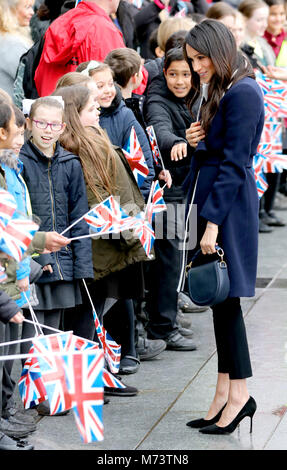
(83, 33)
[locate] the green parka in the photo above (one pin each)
(112, 253)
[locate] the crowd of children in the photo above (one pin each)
(65, 155)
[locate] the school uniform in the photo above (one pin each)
(58, 197)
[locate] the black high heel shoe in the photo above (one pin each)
(202, 423)
(248, 410)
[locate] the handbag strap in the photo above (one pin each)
(184, 254)
(219, 251)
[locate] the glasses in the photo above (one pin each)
(54, 126)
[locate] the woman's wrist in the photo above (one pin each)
(212, 226)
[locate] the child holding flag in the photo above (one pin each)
(166, 111)
(118, 276)
(115, 117)
(58, 196)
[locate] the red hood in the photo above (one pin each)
(67, 32)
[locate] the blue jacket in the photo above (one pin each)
(16, 186)
(58, 196)
(118, 121)
(226, 191)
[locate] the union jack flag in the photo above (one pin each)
(3, 275)
(7, 207)
(51, 366)
(272, 133)
(259, 161)
(274, 162)
(156, 203)
(17, 236)
(84, 378)
(135, 157)
(112, 350)
(31, 386)
(145, 233)
(109, 380)
(153, 143)
(108, 217)
(275, 93)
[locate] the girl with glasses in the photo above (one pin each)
(58, 196)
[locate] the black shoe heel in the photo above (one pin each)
(248, 410)
(251, 423)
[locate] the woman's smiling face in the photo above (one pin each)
(201, 64)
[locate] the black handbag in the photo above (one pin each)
(208, 280)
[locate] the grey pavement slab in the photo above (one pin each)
(178, 386)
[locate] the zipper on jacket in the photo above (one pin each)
(53, 215)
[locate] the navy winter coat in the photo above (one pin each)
(58, 196)
(118, 121)
(226, 191)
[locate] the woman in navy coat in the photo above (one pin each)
(226, 139)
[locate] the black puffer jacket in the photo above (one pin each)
(170, 118)
(58, 196)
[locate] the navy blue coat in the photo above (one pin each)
(226, 191)
(118, 121)
(58, 196)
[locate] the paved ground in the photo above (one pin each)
(178, 386)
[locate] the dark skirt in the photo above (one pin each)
(58, 295)
(125, 284)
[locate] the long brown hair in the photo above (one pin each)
(213, 39)
(93, 147)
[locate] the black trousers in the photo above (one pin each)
(268, 199)
(231, 340)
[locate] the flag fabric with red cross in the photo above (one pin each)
(274, 162)
(112, 350)
(108, 217)
(134, 155)
(8, 206)
(153, 143)
(31, 386)
(259, 161)
(275, 94)
(145, 233)
(156, 202)
(84, 378)
(81, 344)
(51, 366)
(17, 236)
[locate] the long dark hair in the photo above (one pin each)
(92, 145)
(213, 39)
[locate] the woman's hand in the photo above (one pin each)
(178, 151)
(208, 241)
(194, 134)
(165, 176)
